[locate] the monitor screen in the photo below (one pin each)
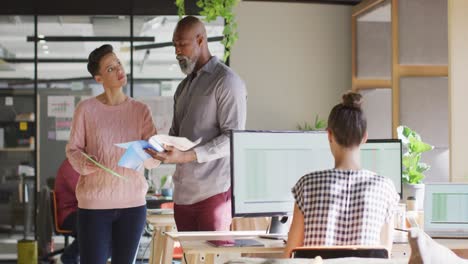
(265, 165)
(383, 156)
(446, 209)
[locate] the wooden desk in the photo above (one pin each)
(459, 246)
(197, 250)
(159, 242)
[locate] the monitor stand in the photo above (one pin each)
(278, 228)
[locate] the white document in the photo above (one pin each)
(180, 143)
(135, 155)
(60, 106)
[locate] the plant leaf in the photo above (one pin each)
(402, 133)
(422, 167)
(418, 146)
(415, 177)
(413, 168)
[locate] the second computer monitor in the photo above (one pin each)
(265, 165)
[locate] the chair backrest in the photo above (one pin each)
(57, 229)
(328, 252)
(168, 205)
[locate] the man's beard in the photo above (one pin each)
(186, 64)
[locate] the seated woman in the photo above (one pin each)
(346, 205)
(67, 207)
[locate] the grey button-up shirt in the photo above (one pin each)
(207, 106)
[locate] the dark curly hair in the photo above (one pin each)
(95, 57)
(347, 120)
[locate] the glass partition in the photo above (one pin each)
(17, 126)
(374, 40)
(416, 97)
(63, 46)
(378, 108)
(423, 32)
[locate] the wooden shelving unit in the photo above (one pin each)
(18, 149)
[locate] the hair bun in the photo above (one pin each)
(352, 99)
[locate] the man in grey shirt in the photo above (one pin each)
(208, 103)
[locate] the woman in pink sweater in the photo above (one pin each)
(111, 210)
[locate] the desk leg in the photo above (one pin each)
(191, 259)
(209, 258)
(152, 244)
(156, 246)
(168, 245)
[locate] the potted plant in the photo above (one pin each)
(319, 124)
(413, 168)
(166, 186)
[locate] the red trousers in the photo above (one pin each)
(211, 214)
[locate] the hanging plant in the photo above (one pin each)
(212, 9)
(180, 8)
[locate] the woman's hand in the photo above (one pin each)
(172, 155)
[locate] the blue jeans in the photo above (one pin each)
(110, 230)
(71, 253)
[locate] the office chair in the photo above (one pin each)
(57, 230)
(167, 205)
(328, 252)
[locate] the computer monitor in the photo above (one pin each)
(265, 165)
(384, 156)
(446, 210)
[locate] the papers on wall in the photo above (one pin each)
(62, 127)
(60, 106)
(161, 108)
(62, 135)
(51, 135)
(8, 100)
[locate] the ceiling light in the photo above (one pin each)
(45, 47)
(40, 36)
(46, 52)
(42, 41)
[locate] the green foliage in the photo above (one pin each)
(211, 9)
(163, 181)
(319, 124)
(413, 171)
(180, 8)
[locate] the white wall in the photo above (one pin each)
(295, 59)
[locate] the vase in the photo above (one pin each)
(416, 191)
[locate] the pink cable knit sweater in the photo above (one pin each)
(96, 128)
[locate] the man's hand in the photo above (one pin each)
(172, 155)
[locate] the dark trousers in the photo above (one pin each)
(111, 230)
(71, 253)
(211, 214)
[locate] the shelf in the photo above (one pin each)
(16, 121)
(17, 149)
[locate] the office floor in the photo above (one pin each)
(8, 248)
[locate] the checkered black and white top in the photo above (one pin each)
(344, 207)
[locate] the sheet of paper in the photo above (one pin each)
(135, 155)
(180, 143)
(104, 167)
